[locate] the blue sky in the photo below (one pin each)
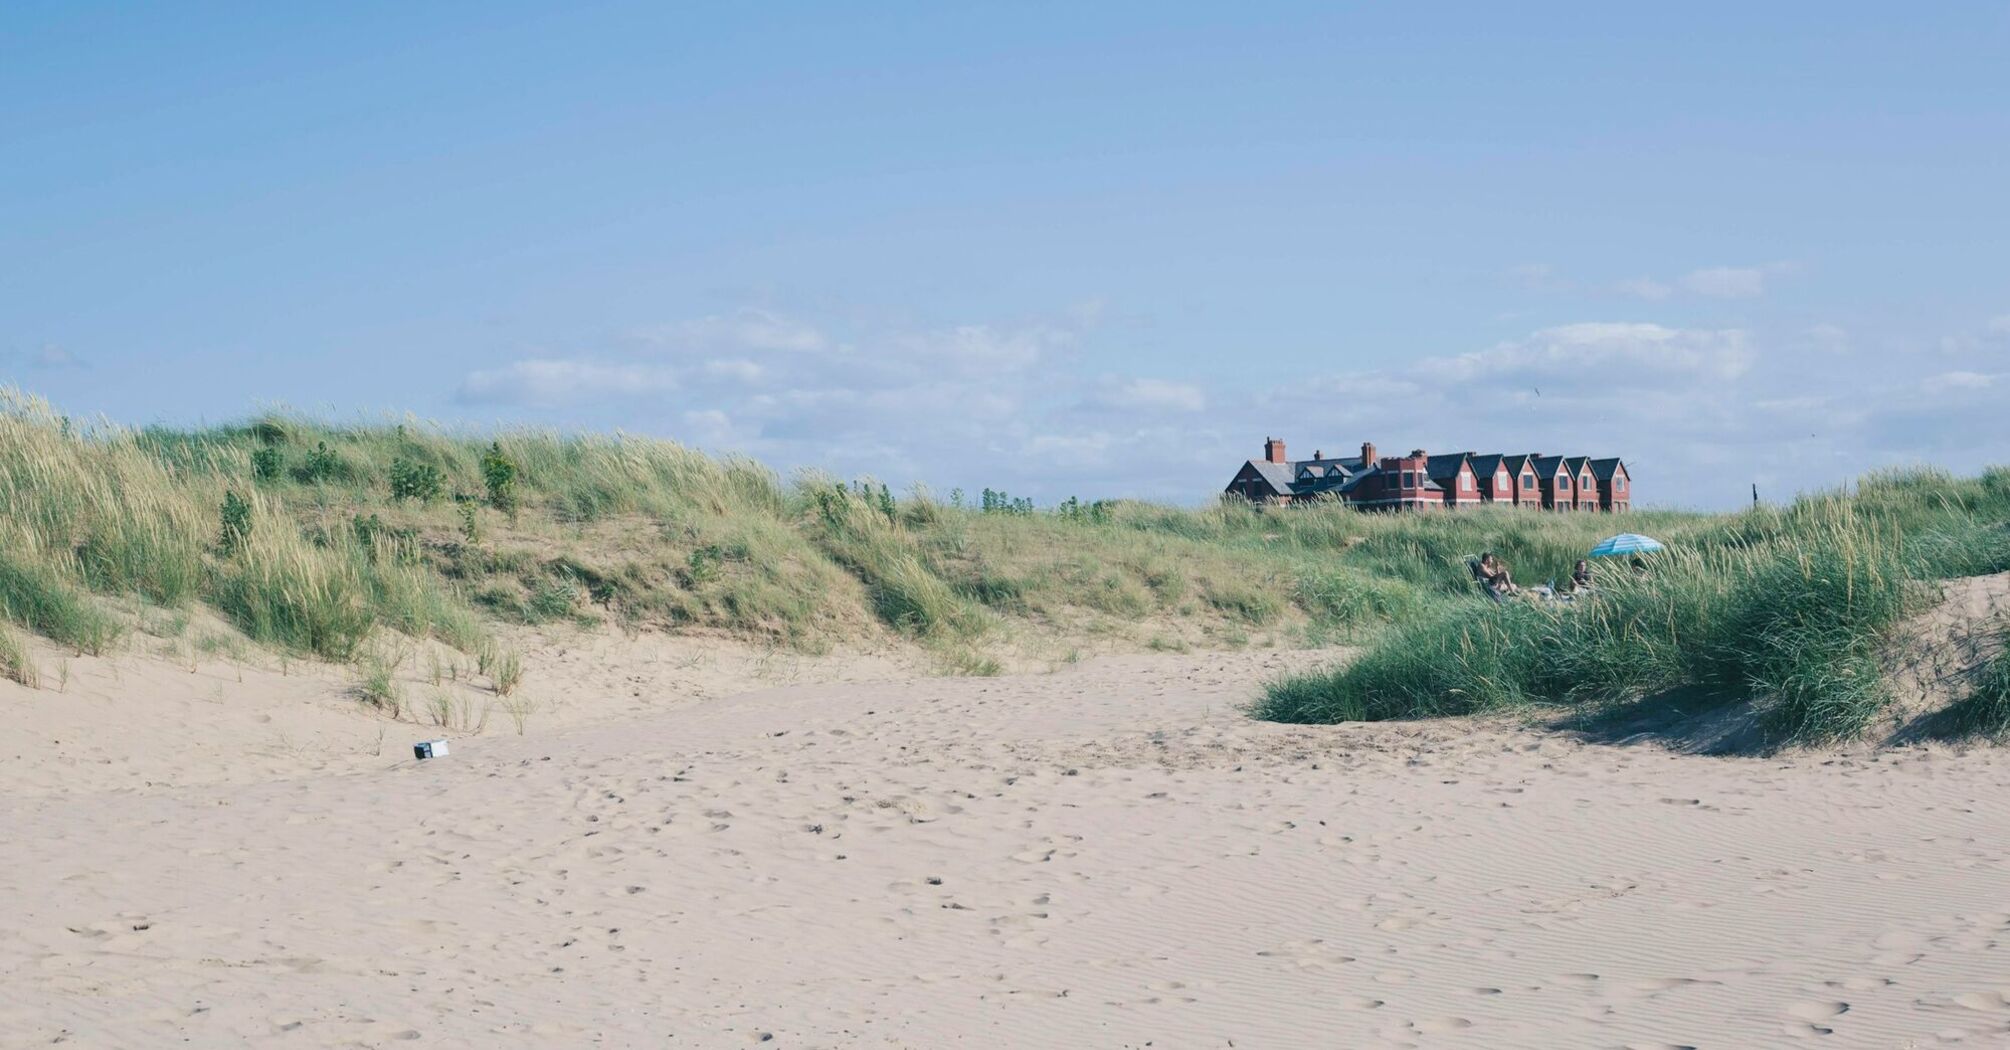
(1059, 249)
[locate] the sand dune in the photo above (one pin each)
(1107, 856)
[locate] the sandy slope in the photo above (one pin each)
(1109, 856)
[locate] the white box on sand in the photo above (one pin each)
(430, 749)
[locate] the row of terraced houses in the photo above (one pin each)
(1418, 480)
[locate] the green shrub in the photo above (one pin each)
(499, 474)
(236, 515)
(266, 464)
(471, 526)
(322, 465)
(416, 481)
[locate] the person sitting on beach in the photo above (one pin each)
(1580, 577)
(1494, 576)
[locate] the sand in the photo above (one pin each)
(1110, 855)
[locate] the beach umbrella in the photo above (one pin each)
(1625, 543)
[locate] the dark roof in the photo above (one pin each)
(1277, 474)
(1355, 481)
(1445, 466)
(1305, 476)
(1344, 474)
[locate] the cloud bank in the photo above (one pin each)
(1033, 407)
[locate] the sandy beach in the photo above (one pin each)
(1110, 855)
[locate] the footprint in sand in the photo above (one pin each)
(1441, 1024)
(1812, 1011)
(1991, 1002)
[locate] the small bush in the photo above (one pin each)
(322, 465)
(471, 526)
(416, 481)
(267, 464)
(236, 515)
(499, 474)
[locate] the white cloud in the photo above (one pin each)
(1537, 277)
(1607, 355)
(1700, 412)
(1155, 394)
(756, 330)
(549, 381)
(739, 369)
(1644, 288)
(979, 350)
(1828, 337)
(1951, 382)
(1727, 282)
(1715, 282)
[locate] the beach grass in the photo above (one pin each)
(1788, 607)
(313, 537)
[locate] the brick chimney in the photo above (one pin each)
(1273, 450)
(1367, 453)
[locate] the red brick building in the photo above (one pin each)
(1420, 481)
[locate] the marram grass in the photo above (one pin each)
(1789, 608)
(312, 537)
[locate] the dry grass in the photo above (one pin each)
(316, 539)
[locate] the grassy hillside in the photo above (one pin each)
(1789, 608)
(313, 538)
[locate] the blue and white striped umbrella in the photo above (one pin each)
(1626, 543)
